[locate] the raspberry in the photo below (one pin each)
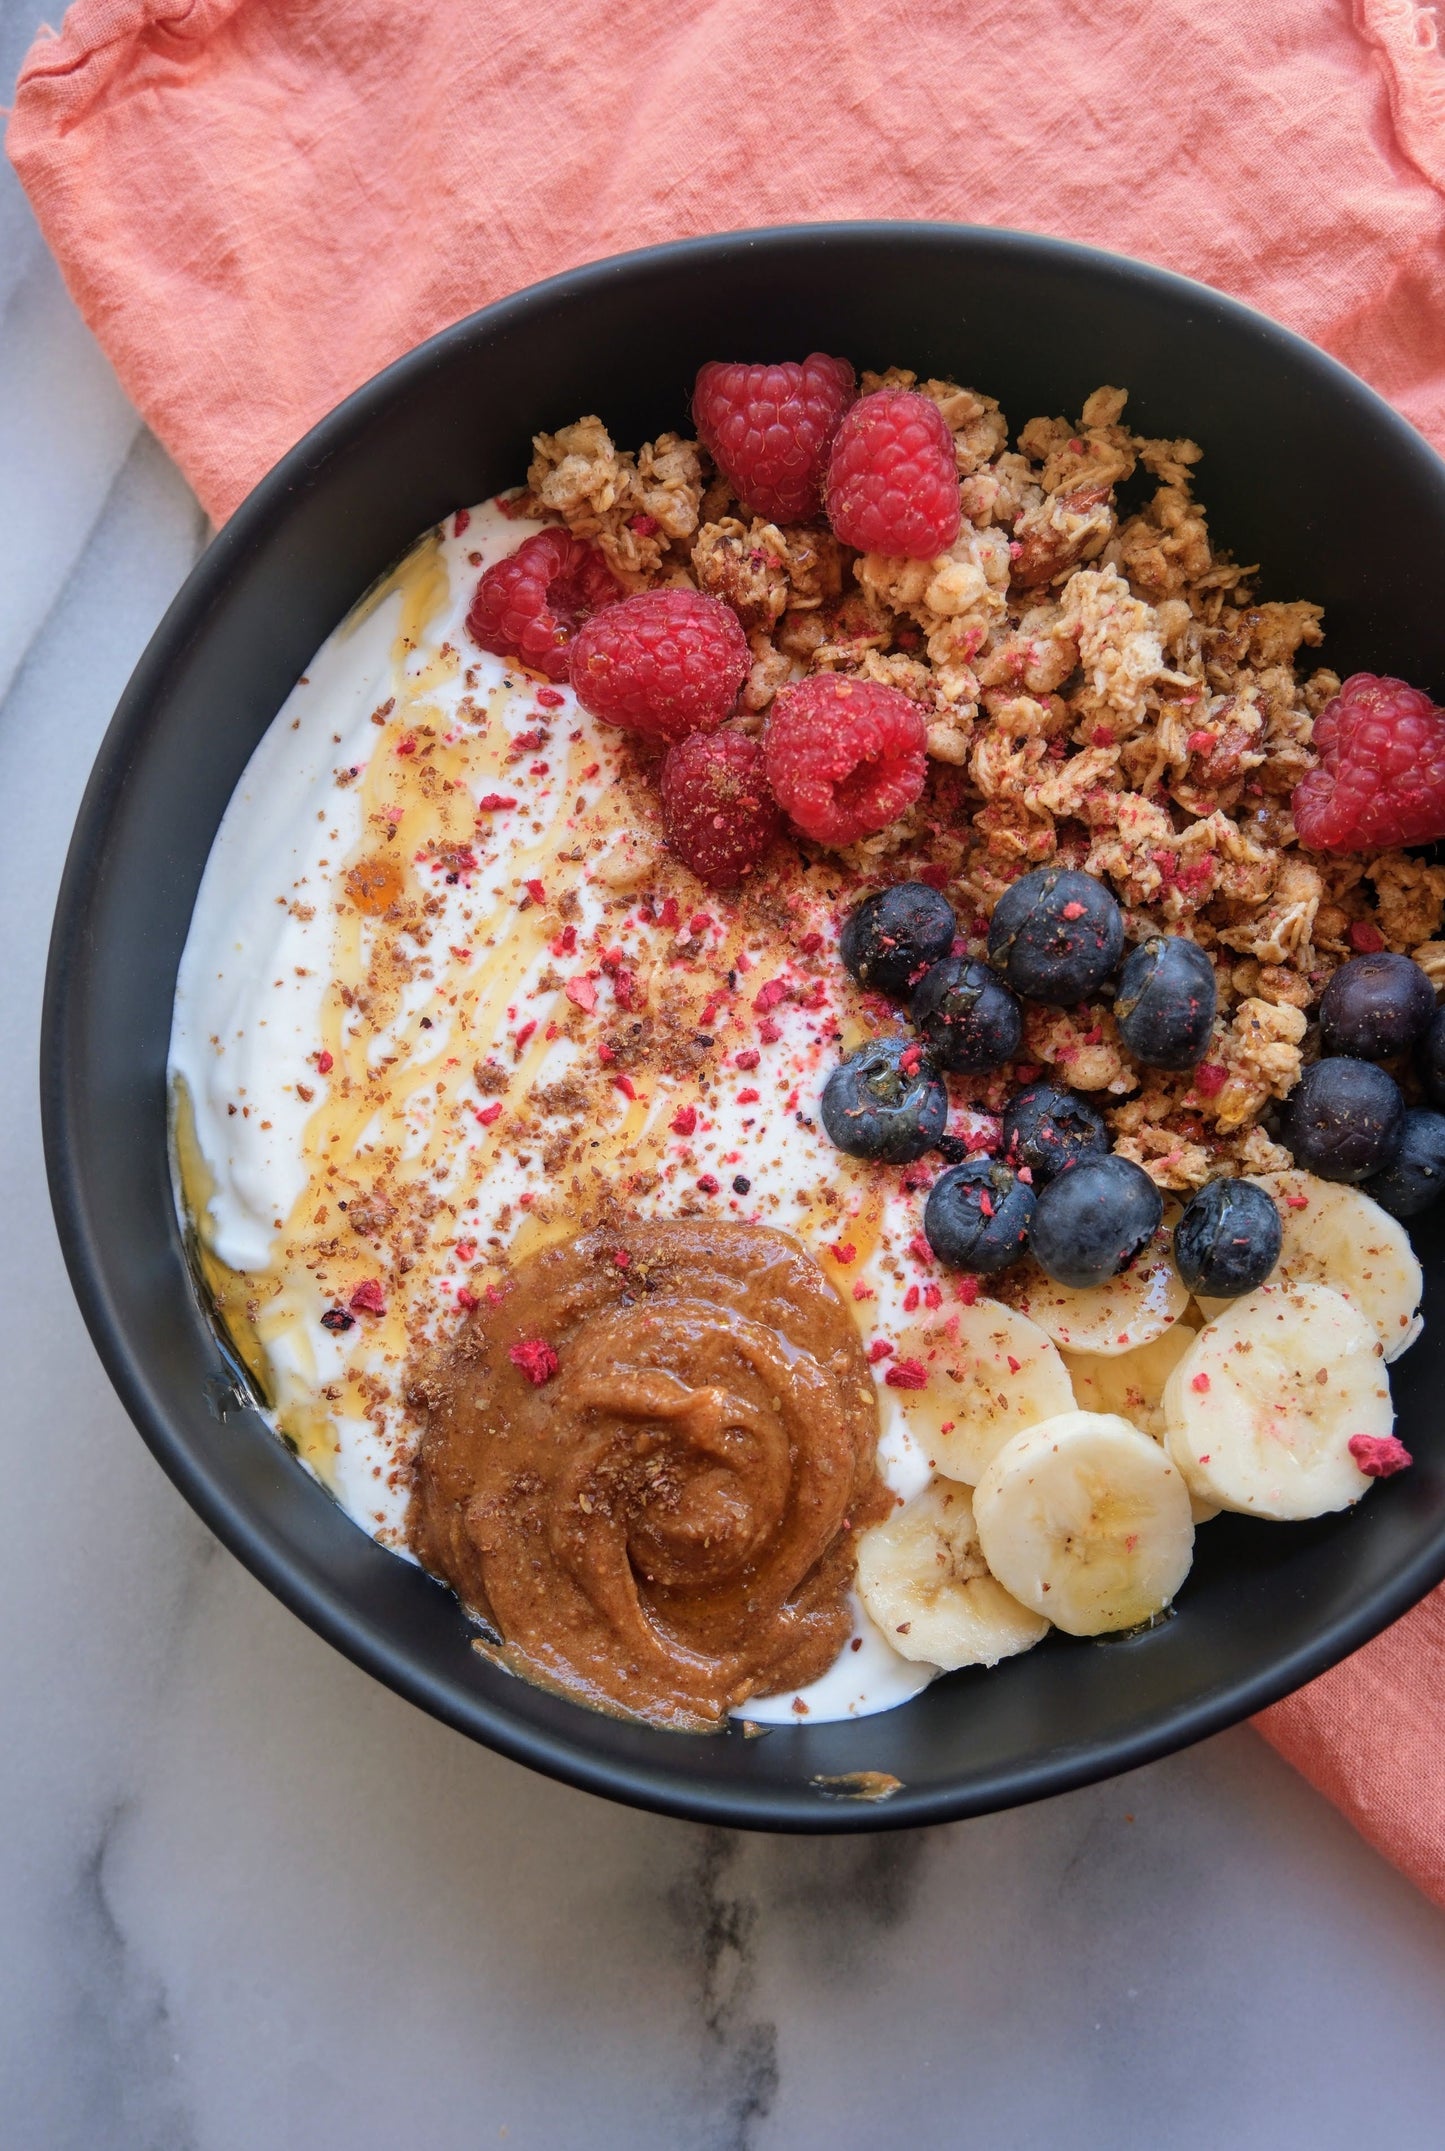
(769, 429)
(536, 1358)
(531, 604)
(1381, 778)
(1379, 1456)
(892, 479)
(664, 663)
(845, 757)
(719, 815)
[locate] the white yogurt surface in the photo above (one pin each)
(399, 718)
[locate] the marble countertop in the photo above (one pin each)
(250, 1898)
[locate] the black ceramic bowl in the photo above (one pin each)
(1306, 470)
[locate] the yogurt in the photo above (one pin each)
(444, 994)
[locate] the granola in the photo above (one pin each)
(1104, 687)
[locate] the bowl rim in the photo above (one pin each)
(368, 1642)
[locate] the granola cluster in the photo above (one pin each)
(1102, 687)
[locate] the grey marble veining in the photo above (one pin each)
(251, 1899)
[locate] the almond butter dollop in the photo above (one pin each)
(645, 1467)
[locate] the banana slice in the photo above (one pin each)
(1087, 1518)
(991, 1371)
(1260, 1410)
(926, 1584)
(1130, 1384)
(1338, 1236)
(1128, 1311)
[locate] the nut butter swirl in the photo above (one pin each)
(664, 1524)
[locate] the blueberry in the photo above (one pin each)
(1047, 1129)
(1344, 1120)
(1432, 1060)
(1166, 1001)
(891, 939)
(1375, 1006)
(885, 1101)
(1093, 1220)
(977, 1216)
(967, 1016)
(1228, 1239)
(1417, 1177)
(1056, 935)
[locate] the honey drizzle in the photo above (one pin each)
(397, 1111)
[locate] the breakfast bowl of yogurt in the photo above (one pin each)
(742, 1059)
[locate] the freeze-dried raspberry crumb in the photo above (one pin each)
(663, 663)
(1381, 777)
(769, 430)
(1210, 1078)
(892, 478)
(1379, 1456)
(531, 604)
(536, 1359)
(718, 813)
(845, 757)
(907, 1374)
(368, 1298)
(684, 1120)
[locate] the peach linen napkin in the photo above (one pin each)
(257, 203)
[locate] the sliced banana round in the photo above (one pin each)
(924, 1581)
(1130, 1310)
(1130, 1383)
(1337, 1236)
(991, 1371)
(1087, 1519)
(1259, 1411)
